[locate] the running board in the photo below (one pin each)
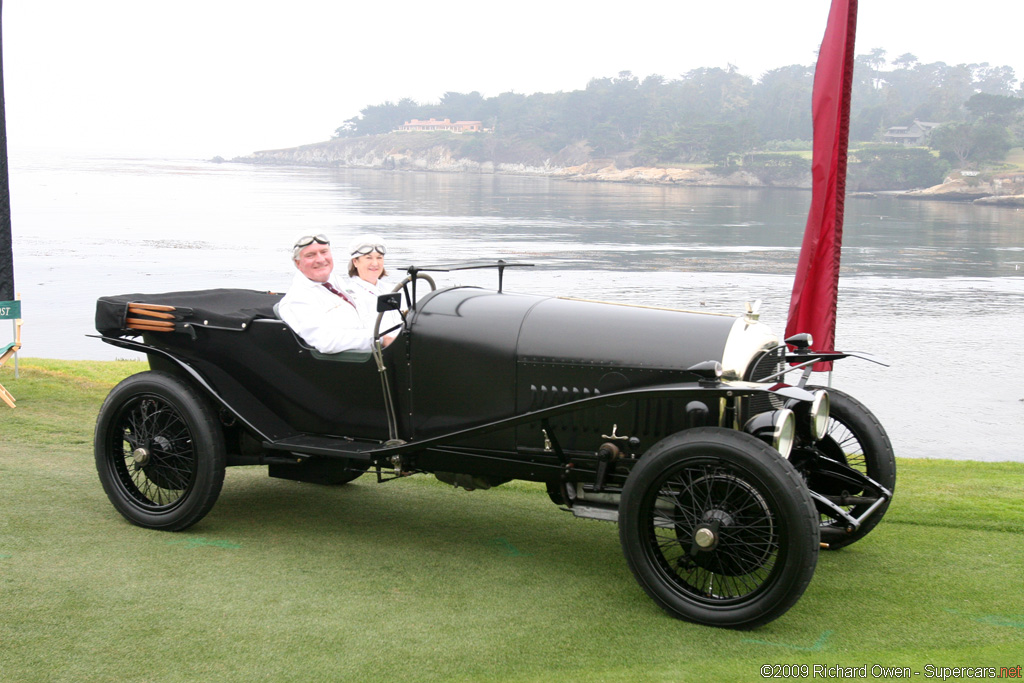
(605, 514)
(306, 444)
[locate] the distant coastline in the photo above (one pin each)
(393, 152)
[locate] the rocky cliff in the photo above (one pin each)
(401, 151)
(396, 151)
(416, 152)
(1002, 189)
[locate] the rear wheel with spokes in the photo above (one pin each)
(159, 452)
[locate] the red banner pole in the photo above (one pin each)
(812, 307)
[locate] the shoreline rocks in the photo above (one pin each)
(401, 152)
(1000, 190)
(1002, 200)
(389, 154)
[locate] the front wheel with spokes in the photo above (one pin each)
(718, 529)
(159, 452)
(857, 439)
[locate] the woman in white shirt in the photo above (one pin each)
(365, 269)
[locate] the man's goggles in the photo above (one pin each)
(309, 239)
(365, 249)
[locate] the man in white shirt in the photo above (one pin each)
(316, 305)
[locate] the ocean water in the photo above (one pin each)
(935, 288)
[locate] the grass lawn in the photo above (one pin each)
(417, 581)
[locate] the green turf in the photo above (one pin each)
(416, 581)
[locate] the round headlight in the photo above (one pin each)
(820, 408)
(785, 432)
(776, 428)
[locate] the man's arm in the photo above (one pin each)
(336, 329)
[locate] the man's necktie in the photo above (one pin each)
(332, 290)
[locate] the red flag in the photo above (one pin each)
(812, 307)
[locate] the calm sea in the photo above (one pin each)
(935, 288)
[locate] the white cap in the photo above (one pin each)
(367, 243)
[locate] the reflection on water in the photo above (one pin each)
(706, 229)
(936, 287)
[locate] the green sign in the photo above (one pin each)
(10, 310)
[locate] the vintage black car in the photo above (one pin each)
(724, 480)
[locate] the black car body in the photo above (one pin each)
(724, 480)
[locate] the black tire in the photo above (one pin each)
(752, 502)
(856, 438)
(159, 452)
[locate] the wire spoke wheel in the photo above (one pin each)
(159, 452)
(718, 528)
(710, 496)
(847, 444)
(157, 463)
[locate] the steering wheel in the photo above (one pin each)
(402, 286)
(409, 279)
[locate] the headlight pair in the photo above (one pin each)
(778, 428)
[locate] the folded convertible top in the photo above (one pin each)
(230, 309)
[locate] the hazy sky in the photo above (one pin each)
(227, 77)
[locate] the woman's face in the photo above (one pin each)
(369, 266)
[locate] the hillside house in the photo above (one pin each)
(445, 124)
(915, 134)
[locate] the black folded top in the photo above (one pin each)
(223, 308)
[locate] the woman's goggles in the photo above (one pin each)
(309, 239)
(365, 249)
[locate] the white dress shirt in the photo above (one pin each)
(327, 322)
(365, 295)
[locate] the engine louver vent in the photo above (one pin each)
(546, 396)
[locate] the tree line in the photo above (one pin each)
(724, 119)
